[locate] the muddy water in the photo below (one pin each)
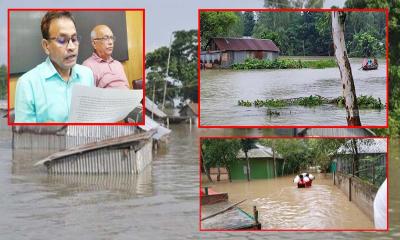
(221, 90)
(282, 205)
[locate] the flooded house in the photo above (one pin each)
(261, 161)
(190, 112)
(224, 52)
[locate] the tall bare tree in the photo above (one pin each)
(349, 90)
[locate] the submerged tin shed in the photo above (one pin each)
(228, 51)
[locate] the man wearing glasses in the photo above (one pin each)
(108, 72)
(43, 94)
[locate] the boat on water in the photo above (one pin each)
(369, 64)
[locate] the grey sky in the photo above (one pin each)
(162, 16)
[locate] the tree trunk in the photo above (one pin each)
(355, 158)
(219, 174)
(248, 166)
(349, 91)
(229, 173)
(283, 166)
(204, 166)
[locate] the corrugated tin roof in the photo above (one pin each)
(259, 152)
(245, 44)
(151, 124)
(152, 107)
(335, 132)
(367, 145)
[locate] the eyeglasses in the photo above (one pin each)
(64, 40)
(106, 38)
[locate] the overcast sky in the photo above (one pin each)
(162, 16)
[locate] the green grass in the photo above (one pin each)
(253, 63)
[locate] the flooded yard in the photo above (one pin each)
(282, 205)
(220, 91)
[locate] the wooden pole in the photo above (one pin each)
(349, 90)
(165, 83)
(350, 189)
(223, 210)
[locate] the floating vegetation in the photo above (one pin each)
(244, 103)
(364, 102)
(270, 103)
(311, 101)
(254, 63)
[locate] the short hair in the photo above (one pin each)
(93, 35)
(50, 16)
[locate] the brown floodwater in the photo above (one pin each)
(220, 91)
(282, 205)
(162, 203)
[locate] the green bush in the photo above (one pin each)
(253, 63)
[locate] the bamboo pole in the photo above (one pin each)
(223, 210)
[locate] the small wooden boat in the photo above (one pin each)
(369, 64)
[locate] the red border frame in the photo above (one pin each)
(79, 9)
(385, 10)
(297, 230)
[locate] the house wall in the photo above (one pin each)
(362, 194)
(232, 57)
(259, 169)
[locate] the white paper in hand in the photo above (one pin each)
(102, 105)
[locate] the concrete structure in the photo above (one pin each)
(358, 191)
(224, 52)
(372, 159)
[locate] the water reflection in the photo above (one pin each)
(221, 90)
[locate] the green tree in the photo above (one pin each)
(367, 45)
(216, 24)
(219, 153)
(394, 56)
(248, 22)
(182, 67)
(324, 150)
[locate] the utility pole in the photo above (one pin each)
(165, 84)
(349, 90)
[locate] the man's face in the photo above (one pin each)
(104, 43)
(62, 50)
